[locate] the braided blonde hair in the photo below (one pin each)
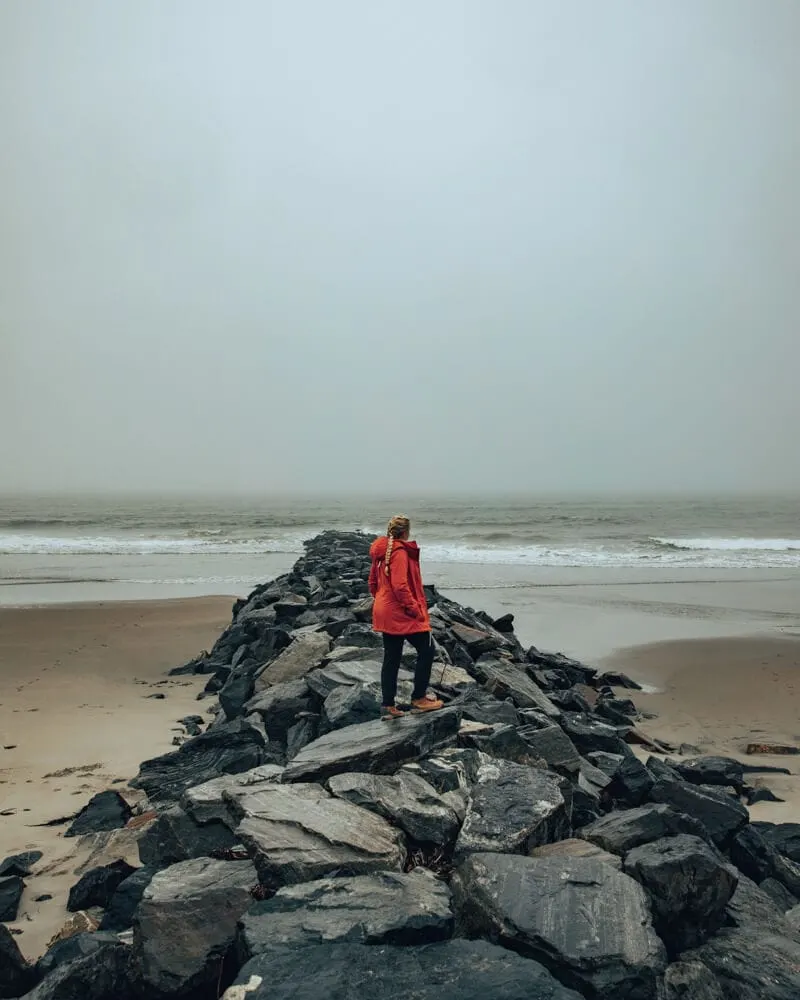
(396, 528)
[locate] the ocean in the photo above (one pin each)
(121, 546)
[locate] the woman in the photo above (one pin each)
(400, 612)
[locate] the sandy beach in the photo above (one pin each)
(77, 716)
(77, 713)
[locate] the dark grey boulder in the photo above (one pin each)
(303, 732)
(227, 749)
(349, 705)
(20, 864)
(689, 884)
(347, 673)
(72, 949)
(11, 889)
(784, 837)
(615, 678)
(793, 918)
(759, 860)
(691, 981)
(378, 747)
(752, 965)
(721, 815)
(590, 734)
(303, 654)
(724, 771)
(447, 970)
(406, 800)
(174, 837)
(104, 811)
(106, 972)
(509, 680)
(237, 690)
(98, 885)
(552, 744)
(451, 770)
(360, 635)
(16, 975)
(620, 832)
(480, 706)
(589, 924)
(386, 908)
(122, 905)
(186, 922)
(751, 907)
(513, 809)
(504, 742)
(779, 894)
(299, 833)
(631, 782)
(608, 762)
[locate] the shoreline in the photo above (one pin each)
(86, 673)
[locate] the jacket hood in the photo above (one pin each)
(378, 548)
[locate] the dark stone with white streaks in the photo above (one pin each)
(689, 884)
(447, 970)
(377, 747)
(227, 749)
(186, 922)
(620, 832)
(386, 908)
(514, 808)
(589, 924)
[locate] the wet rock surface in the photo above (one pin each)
(511, 845)
(451, 970)
(588, 923)
(387, 908)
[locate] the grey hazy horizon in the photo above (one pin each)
(461, 247)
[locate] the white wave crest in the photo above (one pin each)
(731, 544)
(118, 546)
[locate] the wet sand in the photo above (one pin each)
(721, 694)
(75, 718)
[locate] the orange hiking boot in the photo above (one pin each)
(427, 704)
(391, 712)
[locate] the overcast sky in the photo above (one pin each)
(445, 245)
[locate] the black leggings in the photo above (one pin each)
(392, 654)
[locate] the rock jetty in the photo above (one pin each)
(512, 846)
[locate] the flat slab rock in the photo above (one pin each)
(407, 800)
(348, 671)
(512, 809)
(299, 833)
(377, 747)
(206, 802)
(450, 970)
(302, 655)
(230, 748)
(509, 680)
(387, 908)
(589, 924)
(186, 921)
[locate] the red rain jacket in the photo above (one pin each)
(400, 607)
